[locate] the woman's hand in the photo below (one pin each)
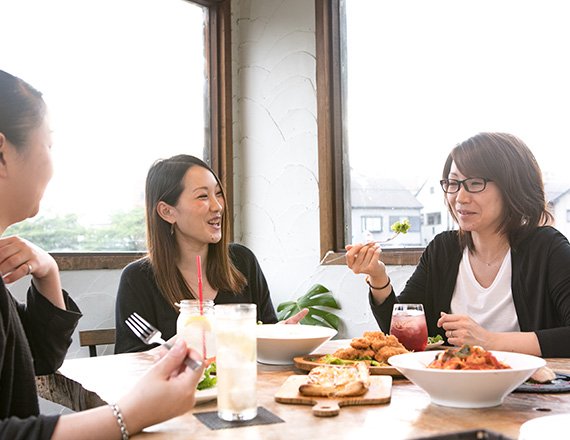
(167, 390)
(461, 329)
(19, 257)
(296, 318)
(365, 258)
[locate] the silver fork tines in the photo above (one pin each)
(149, 334)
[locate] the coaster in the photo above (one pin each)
(561, 384)
(212, 421)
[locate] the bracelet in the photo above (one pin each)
(120, 421)
(378, 288)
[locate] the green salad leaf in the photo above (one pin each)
(434, 339)
(209, 379)
(401, 227)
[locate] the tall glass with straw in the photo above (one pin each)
(196, 320)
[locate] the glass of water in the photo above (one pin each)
(236, 361)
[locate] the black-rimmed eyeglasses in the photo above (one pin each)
(471, 184)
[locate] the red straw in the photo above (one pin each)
(201, 298)
(200, 293)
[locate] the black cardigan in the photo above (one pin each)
(540, 285)
(138, 292)
(34, 338)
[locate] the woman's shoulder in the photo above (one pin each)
(142, 265)
(445, 239)
(239, 251)
(544, 235)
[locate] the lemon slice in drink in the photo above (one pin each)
(200, 321)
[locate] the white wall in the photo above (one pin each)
(276, 161)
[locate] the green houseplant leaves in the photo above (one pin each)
(319, 300)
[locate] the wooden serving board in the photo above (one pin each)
(307, 363)
(380, 391)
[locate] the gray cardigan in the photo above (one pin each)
(540, 285)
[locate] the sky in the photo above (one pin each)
(424, 76)
(123, 80)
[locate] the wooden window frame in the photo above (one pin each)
(218, 60)
(334, 191)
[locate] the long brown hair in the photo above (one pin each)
(509, 163)
(165, 182)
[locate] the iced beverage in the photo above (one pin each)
(195, 328)
(236, 361)
(409, 326)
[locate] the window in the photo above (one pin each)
(433, 218)
(371, 224)
(126, 83)
(408, 80)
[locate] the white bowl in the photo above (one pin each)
(467, 388)
(278, 344)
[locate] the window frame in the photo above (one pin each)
(334, 191)
(218, 61)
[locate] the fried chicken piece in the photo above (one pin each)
(360, 343)
(386, 352)
(346, 353)
(373, 336)
(353, 354)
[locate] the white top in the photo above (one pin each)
(492, 307)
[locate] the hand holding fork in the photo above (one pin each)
(151, 335)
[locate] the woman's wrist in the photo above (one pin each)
(378, 285)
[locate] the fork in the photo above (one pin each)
(367, 244)
(151, 335)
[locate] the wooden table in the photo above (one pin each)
(89, 382)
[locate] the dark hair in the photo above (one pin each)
(22, 109)
(509, 163)
(164, 182)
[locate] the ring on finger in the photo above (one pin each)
(30, 270)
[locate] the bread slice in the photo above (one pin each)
(337, 381)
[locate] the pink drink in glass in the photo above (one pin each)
(409, 326)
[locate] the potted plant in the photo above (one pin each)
(321, 304)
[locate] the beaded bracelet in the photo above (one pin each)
(121, 422)
(378, 288)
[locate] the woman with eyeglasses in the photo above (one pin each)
(502, 280)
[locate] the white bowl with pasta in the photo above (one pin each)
(467, 388)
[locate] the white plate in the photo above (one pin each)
(544, 427)
(203, 396)
(434, 345)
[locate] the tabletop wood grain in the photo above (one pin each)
(89, 382)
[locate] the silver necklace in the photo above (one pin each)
(490, 263)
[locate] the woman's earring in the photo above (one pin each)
(171, 228)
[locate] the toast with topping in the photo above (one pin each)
(337, 381)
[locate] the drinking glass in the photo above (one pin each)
(236, 361)
(409, 326)
(196, 327)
